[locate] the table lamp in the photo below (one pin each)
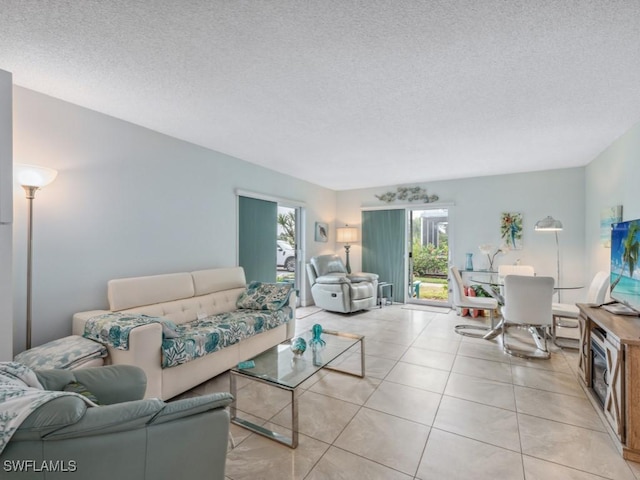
(347, 235)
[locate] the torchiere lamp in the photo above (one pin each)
(347, 235)
(550, 224)
(31, 178)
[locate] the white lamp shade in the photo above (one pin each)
(33, 175)
(347, 234)
(548, 224)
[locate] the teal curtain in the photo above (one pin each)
(257, 235)
(383, 245)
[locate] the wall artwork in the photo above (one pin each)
(322, 232)
(608, 216)
(511, 230)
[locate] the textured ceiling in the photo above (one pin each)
(346, 93)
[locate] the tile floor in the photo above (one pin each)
(433, 405)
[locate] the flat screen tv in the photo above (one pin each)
(625, 274)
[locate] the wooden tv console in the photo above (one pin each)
(622, 345)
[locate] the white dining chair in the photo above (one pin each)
(527, 304)
(460, 300)
(504, 270)
(525, 270)
(595, 295)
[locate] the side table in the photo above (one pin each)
(385, 300)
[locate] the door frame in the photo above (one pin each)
(409, 216)
(450, 206)
(300, 208)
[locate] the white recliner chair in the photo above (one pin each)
(336, 290)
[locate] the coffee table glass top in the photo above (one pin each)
(280, 366)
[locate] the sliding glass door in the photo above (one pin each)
(409, 247)
(383, 247)
(428, 244)
(270, 240)
(289, 253)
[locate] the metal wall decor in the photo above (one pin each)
(408, 194)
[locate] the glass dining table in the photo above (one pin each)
(491, 283)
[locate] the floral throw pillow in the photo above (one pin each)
(265, 296)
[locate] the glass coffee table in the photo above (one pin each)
(279, 367)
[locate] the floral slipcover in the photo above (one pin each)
(200, 337)
(113, 328)
(182, 343)
(66, 353)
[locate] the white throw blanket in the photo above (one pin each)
(20, 394)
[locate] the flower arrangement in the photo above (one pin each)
(487, 249)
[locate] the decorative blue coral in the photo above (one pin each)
(316, 342)
(298, 346)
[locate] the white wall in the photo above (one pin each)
(6, 214)
(128, 201)
(612, 178)
(475, 218)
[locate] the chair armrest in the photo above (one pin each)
(362, 277)
(54, 379)
(51, 416)
(332, 279)
(113, 383)
(110, 384)
(110, 419)
(192, 406)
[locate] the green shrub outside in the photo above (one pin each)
(429, 259)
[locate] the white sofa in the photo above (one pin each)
(181, 298)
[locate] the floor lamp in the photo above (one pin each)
(31, 178)
(347, 235)
(550, 224)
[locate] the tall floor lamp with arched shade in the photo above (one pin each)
(32, 178)
(347, 235)
(550, 224)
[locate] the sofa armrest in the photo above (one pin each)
(332, 279)
(80, 318)
(291, 324)
(291, 301)
(110, 419)
(192, 406)
(362, 277)
(145, 350)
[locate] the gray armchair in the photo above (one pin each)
(126, 437)
(336, 290)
